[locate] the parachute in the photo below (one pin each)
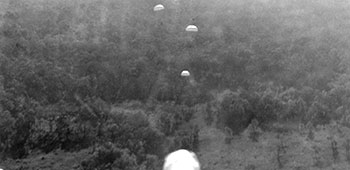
(185, 73)
(191, 28)
(158, 7)
(181, 160)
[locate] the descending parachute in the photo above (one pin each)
(158, 7)
(191, 28)
(185, 73)
(181, 160)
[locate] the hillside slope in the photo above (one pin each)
(299, 150)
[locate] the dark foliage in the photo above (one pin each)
(64, 65)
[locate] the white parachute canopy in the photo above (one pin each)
(158, 7)
(181, 160)
(191, 28)
(185, 73)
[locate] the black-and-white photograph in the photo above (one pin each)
(174, 84)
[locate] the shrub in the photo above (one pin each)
(237, 109)
(133, 131)
(6, 129)
(317, 158)
(254, 132)
(187, 139)
(294, 105)
(347, 150)
(229, 135)
(152, 162)
(62, 132)
(268, 109)
(108, 156)
(209, 115)
(318, 114)
(17, 140)
(281, 152)
(171, 116)
(235, 113)
(335, 152)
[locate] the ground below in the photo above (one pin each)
(299, 150)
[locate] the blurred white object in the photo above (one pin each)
(181, 160)
(192, 28)
(158, 7)
(185, 73)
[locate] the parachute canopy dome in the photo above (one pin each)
(158, 7)
(192, 28)
(181, 160)
(185, 73)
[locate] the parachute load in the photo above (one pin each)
(181, 160)
(158, 7)
(191, 28)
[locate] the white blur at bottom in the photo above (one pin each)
(181, 160)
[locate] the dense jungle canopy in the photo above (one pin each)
(77, 74)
